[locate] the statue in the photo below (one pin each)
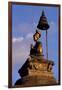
(37, 70)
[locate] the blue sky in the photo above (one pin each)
(24, 21)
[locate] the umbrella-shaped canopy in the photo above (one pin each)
(43, 24)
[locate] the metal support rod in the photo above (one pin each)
(46, 46)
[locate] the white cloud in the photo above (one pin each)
(29, 35)
(20, 39)
(21, 48)
(17, 39)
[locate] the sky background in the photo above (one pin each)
(24, 22)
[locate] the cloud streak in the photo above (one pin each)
(20, 39)
(21, 48)
(29, 35)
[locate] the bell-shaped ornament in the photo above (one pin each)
(43, 24)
